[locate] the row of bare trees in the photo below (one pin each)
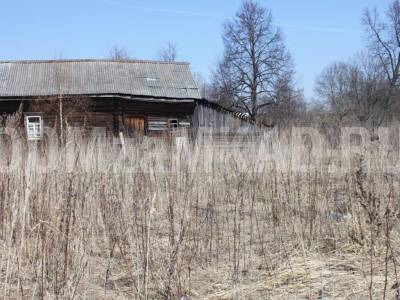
(365, 90)
(256, 73)
(167, 53)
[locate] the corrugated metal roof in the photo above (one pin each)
(85, 77)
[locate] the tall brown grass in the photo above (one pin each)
(196, 220)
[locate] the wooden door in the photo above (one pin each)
(135, 125)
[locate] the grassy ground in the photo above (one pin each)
(86, 221)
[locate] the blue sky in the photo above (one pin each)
(317, 31)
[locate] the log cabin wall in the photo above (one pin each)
(110, 113)
(160, 118)
(9, 107)
(89, 115)
(118, 114)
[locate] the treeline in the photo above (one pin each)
(256, 73)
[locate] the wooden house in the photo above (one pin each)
(135, 97)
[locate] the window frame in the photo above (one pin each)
(172, 123)
(38, 127)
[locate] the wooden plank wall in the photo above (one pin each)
(172, 110)
(93, 115)
(221, 122)
(110, 113)
(9, 107)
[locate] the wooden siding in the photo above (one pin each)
(221, 122)
(172, 110)
(9, 107)
(110, 113)
(158, 126)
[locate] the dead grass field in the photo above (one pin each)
(85, 221)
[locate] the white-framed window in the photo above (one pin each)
(34, 127)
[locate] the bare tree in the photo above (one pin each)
(289, 104)
(384, 44)
(366, 89)
(168, 53)
(354, 90)
(336, 85)
(384, 39)
(202, 85)
(118, 53)
(223, 86)
(255, 59)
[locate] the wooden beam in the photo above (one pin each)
(116, 113)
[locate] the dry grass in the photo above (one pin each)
(165, 221)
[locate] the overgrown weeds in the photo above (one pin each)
(85, 220)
